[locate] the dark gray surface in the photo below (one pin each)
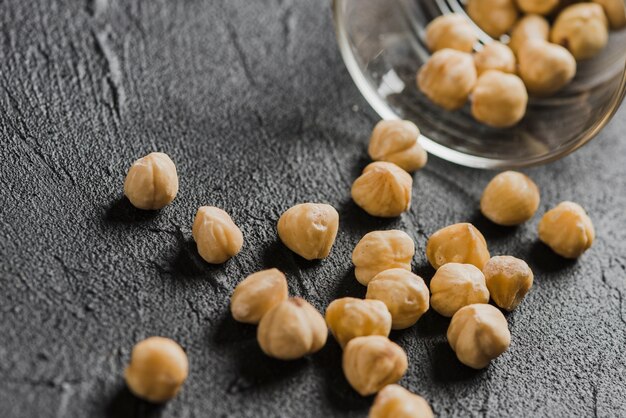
(253, 103)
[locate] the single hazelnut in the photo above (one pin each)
(567, 230)
(396, 141)
(499, 99)
(257, 294)
(495, 56)
(382, 250)
(540, 7)
(495, 17)
(151, 182)
(582, 29)
(384, 190)
(217, 236)
(478, 333)
(529, 27)
(394, 401)
(450, 31)
(458, 243)
(309, 229)
(404, 293)
(291, 330)
(349, 318)
(545, 67)
(615, 11)
(510, 198)
(448, 78)
(372, 362)
(508, 279)
(456, 285)
(158, 368)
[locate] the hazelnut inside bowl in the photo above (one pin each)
(383, 45)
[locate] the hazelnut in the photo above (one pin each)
(382, 250)
(257, 294)
(615, 11)
(495, 56)
(529, 27)
(348, 318)
(495, 17)
(158, 368)
(582, 29)
(450, 31)
(404, 293)
(292, 329)
(567, 230)
(396, 141)
(151, 182)
(372, 362)
(456, 285)
(545, 68)
(309, 229)
(217, 236)
(508, 280)
(458, 243)
(540, 7)
(478, 333)
(448, 78)
(499, 99)
(510, 198)
(384, 190)
(394, 401)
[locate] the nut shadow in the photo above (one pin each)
(126, 405)
(432, 324)
(121, 211)
(229, 331)
(542, 258)
(349, 286)
(446, 368)
(491, 230)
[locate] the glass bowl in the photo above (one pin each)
(382, 44)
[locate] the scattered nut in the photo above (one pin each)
(216, 234)
(151, 182)
(495, 56)
(508, 280)
(540, 7)
(257, 294)
(372, 362)
(499, 99)
(384, 190)
(158, 368)
(478, 333)
(450, 31)
(348, 318)
(582, 29)
(394, 401)
(495, 17)
(404, 293)
(615, 11)
(545, 68)
(396, 141)
(529, 27)
(457, 285)
(448, 78)
(458, 243)
(567, 230)
(309, 229)
(510, 198)
(382, 250)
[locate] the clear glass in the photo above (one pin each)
(382, 44)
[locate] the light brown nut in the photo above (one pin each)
(383, 190)
(457, 285)
(495, 17)
(396, 141)
(394, 401)
(151, 182)
(495, 56)
(217, 236)
(545, 68)
(448, 78)
(450, 31)
(508, 279)
(529, 27)
(582, 29)
(615, 11)
(349, 318)
(291, 330)
(510, 198)
(458, 243)
(540, 7)
(382, 250)
(567, 229)
(158, 368)
(499, 99)
(478, 334)
(404, 293)
(257, 294)
(372, 362)
(309, 229)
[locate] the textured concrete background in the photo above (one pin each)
(253, 103)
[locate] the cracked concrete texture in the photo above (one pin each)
(252, 102)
